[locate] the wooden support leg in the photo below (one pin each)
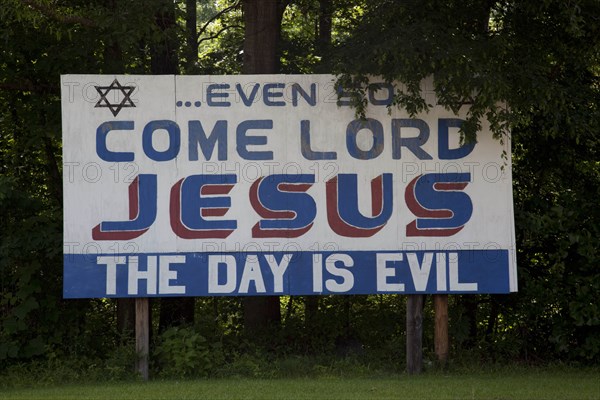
(414, 333)
(440, 304)
(142, 336)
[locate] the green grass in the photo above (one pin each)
(522, 383)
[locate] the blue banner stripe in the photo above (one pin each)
(285, 273)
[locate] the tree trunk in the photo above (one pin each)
(176, 311)
(470, 304)
(414, 333)
(324, 33)
(142, 336)
(261, 313)
(125, 316)
(163, 51)
(191, 45)
(441, 344)
(262, 19)
(311, 308)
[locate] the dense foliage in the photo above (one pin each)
(538, 59)
(532, 67)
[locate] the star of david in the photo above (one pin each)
(115, 108)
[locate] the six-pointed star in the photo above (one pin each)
(115, 107)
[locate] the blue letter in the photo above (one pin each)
(244, 141)
(307, 152)
(250, 99)
(414, 143)
(445, 153)
(439, 203)
(376, 129)
(269, 94)
(210, 95)
(102, 132)
(311, 100)
(197, 136)
(373, 88)
(199, 196)
(281, 200)
(344, 98)
(174, 140)
(343, 213)
(142, 212)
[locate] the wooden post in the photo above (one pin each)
(440, 304)
(414, 333)
(142, 335)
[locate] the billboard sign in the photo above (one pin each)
(270, 184)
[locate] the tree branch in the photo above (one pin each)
(216, 35)
(213, 18)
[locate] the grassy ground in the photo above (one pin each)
(521, 383)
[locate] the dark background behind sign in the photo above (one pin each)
(539, 56)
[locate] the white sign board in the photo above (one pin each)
(262, 185)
